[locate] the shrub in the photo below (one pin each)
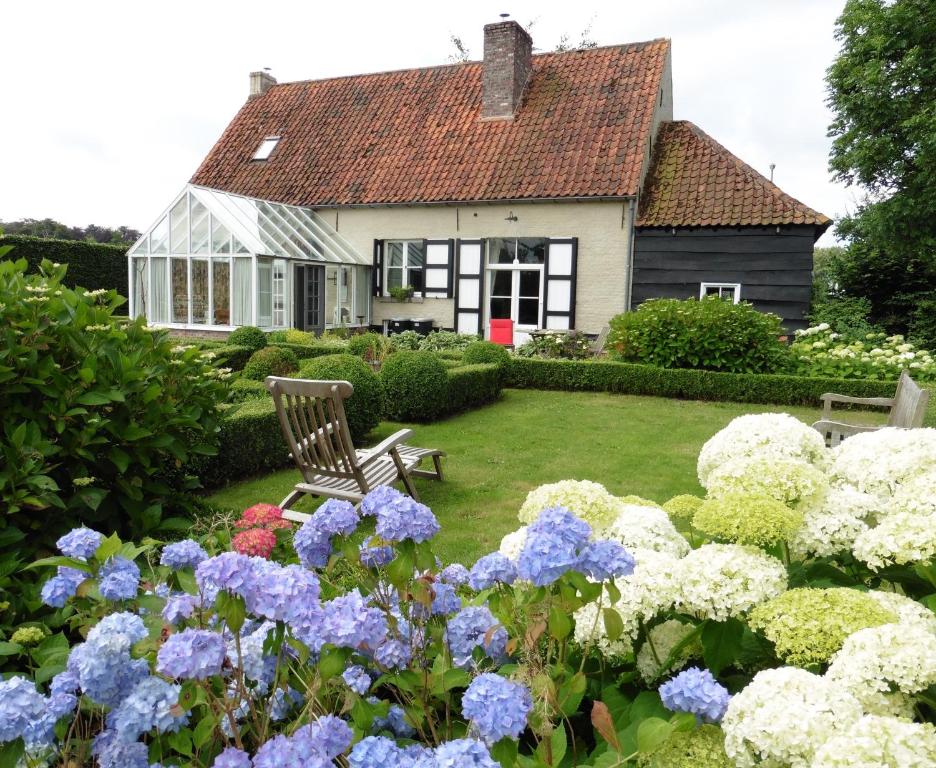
(232, 356)
(471, 386)
(846, 315)
(247, 389)
(416, 385)
(711, 334)
(573, 345)
(407, 340)
(90, 265)
(486, 352)
(295, 336)
(438, 341)
(270, 361)
(96, 412)
(371, 347)
(365, 407)
(817, 351)
(305, 351)
(248, 336)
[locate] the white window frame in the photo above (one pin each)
(406, 266)
(266, 148)
(735, 288)
(515, 266)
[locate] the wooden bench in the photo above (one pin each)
(906, 410)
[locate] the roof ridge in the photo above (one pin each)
(463, 63)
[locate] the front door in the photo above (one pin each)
(516, 293)
(310, 298)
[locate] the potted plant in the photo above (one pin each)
(401, 293)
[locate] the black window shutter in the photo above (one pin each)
(451, 269)
(377, 272)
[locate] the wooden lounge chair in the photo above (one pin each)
(313, 420)
(598, 345)
(906, 410)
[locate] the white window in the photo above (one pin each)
(405, 261)
(728, 291)
(266, 148)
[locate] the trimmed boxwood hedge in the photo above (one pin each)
(90, 265)
(365, 407)
(231, 356)
(471, 386)
(416, 384)
(247, 389)
(305, 351)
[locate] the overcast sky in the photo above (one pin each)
(109, 107)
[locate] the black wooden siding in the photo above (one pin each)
(774, 269)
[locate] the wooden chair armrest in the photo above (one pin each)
(840, 430)
(385, 446)
(881, 402)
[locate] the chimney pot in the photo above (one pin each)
(260, 83)
(508, 61)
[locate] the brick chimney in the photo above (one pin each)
(508, 61)
(260, 83)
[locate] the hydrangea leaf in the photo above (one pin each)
(505, 752)
(560, 625)
(614, 624)
(11, 753)
(652, 734)
(721, 643)
(571, 693)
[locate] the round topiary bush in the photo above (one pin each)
(248, 336)
(270, 361)
(485, 352)
(416, 386)
(365, 407)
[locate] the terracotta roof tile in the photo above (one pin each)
(694, 181)
(416, 135)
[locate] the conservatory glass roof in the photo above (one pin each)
(202, 220)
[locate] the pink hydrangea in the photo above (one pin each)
(262, 516)
(256, 541)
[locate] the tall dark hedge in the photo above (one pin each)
(90, 265)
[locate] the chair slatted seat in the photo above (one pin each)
(314, 424)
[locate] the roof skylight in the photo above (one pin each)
(266, 148)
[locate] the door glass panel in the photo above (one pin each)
(279, 293)
(344, 296)
(313, 298)
(159, 299)
(362, 286)
(531, 250)
(221, 292)
(528, 312)
(242, 308)
(501, 251)
(529, 283)
(179, 290)
(199, 291)
(500, 286)
(500, 308)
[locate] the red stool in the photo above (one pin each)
(502, 332)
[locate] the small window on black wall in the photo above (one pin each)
(727, 291)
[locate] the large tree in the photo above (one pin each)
(882, 88)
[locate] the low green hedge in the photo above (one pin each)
(305, 351)
(243, 390)
(232, 356)
(471, 386)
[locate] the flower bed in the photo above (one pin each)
(604, 632)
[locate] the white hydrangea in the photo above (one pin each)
(792, 481)
(880, 462)
(917, 496)
(718, 581)
(592, 502)
(902, 537)
(646, 592)
(784, 716)
(873, 742)
(908, 611)
(512, 544)
(833, 526)
(873, 660)
(639, 527)
(662, 640)
(768, 435)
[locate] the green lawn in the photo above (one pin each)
(633, 445)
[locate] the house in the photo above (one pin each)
(554, 189)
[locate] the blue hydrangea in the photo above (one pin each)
(229, 571)
(122, 624)
(560, 522)
(283, 592)
(232, 757)
(178, 608)
(497, 707)
(375, 752)
(57, 590)
(64, 682)
(113, 752)
(80, 543)
(329, 735)
(349, 622)
(283, 702)
(455, 574)
(463, 753)
(258, 667)
(41, 731)
(102, 664)
(148, 706)
(545, 557)
(20, 705)
(418, 756)
(393, 654)
(312, 545)
(183, 554)
(444, 601)
(406, 518)
(119, 579)
(492, 569)
(357, 679)
(379, 498)
(375, 557)
(336, 518)
(603, 560)
(193, 654)
(471, 628)
(696, 691)
(283, 751)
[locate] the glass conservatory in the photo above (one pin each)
(215, 260)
